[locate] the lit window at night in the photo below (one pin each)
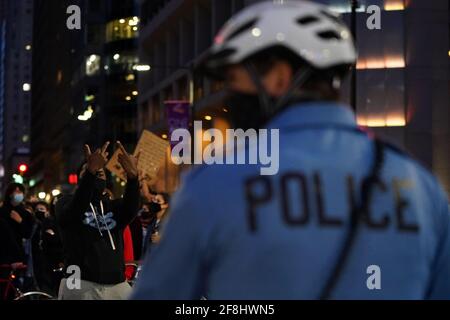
(93, 63)
(121, 62)
(120, 29)
(381, 101)
(344, 6)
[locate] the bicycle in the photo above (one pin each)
(12, 290)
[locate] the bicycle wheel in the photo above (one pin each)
(34, 295)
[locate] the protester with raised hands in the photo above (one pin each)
(92, 228)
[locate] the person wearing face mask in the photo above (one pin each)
(144, 218)
(13, 212)
(157, 208)
(139, 228)
(47, 249)
(92, 228)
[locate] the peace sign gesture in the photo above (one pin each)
(97, 160)
(128, 162)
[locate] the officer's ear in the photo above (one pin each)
(278, 78)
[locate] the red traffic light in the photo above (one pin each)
(73, 178)
(23, 168)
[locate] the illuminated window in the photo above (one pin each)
(386, 62)
(123, 62)
(120, 29)
(93, 63)
(381, 100)
(394, 5)
(344, 6)
(381, 70)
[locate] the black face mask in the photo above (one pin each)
(245, 111)
(154, 207)
(40, 215)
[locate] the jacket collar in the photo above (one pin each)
(314, 113)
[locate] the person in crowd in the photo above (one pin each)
(22, 224)
(11, 256)
(139, 226)
(10, 252)
(47, 249)
(13, 212)
(159, 208)
(344, 214)
(92, 228)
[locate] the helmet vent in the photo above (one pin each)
(331, 16)
(244, 27)
(307, 20)
(329, 35)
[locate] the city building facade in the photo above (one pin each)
(16, 23)
(86, 87)
(402, 77)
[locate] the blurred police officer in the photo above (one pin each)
(347, 216)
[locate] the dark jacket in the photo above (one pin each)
(154, 226)
(51, 244)
(10, 251)
(86, 240)
(21, 230)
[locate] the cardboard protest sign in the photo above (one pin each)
(153, 152)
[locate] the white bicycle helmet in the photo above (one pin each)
(309, 30)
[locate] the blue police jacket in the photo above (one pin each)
(233, 233)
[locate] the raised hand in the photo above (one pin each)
(156, 238)
(97, 160)
(145, 190)
(15, 216)
(128, 162)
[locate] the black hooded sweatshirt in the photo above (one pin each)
(86, 240)
(10, 251)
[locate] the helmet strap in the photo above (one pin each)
(300, 79)
(264, 99)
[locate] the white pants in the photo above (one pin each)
(94, 291)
